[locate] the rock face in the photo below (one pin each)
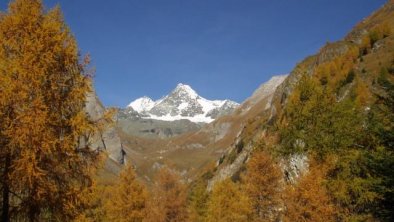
(261, 100)
(231, 169)
(265, 91)
(108, 140)
(294, 167)
(132, 123)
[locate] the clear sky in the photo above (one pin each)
(222, 48)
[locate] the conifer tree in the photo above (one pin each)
(45, 169)
(198, 202)
(315, 122)
(262, 183)
(169, 201)
(228, 203)
(308, 200)
(128, 200)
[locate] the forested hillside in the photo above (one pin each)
(329, 136)
(315, 145)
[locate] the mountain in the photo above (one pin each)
(366, 51)
(142, 104)
(187, 146)
(264, 89)
(182, 103)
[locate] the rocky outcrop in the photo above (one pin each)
(294, 167)
(107, 140)
(239, 152)
(231, 169)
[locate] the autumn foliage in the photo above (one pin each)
(334, 116)
(308, 199)
(263, 184)
(46, 161)
(128, 199)
(228, 203)
(169, 199)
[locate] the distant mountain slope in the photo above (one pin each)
(190, 152)
(181, 111)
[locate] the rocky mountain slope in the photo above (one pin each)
(191, 152)
(181, 111)
(219, 147)
(372, 55)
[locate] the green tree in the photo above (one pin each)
(315, 122)
(355, 184)
(45, 168)
(362, 180)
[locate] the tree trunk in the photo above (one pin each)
(5, 217)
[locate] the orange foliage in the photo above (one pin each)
(42, 97)
(228, 203)
(332, 72)
(262, 183)
(168, 203)
(308, 200)
(128, 199)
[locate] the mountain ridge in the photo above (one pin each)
(182, 103)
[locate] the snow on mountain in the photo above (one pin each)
(142, 104)
(183, 103)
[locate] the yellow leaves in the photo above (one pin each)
(168, 201)
(129, 199)
(42, 98)
(263, 183)
(379, 32)
(228, 203)
(363, 93)
(308, 200)
(332, 72)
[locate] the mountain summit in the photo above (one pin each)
(182, 103)
(142, 104)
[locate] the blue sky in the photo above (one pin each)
(222, 48)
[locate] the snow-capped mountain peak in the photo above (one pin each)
(142, 104)
(183, 103)
(185, 91)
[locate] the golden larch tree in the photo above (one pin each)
(198, 199)
(128, 199)
(228, 203)
(46, 169)
(169, 198)
(263, 183)
(308, 199)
